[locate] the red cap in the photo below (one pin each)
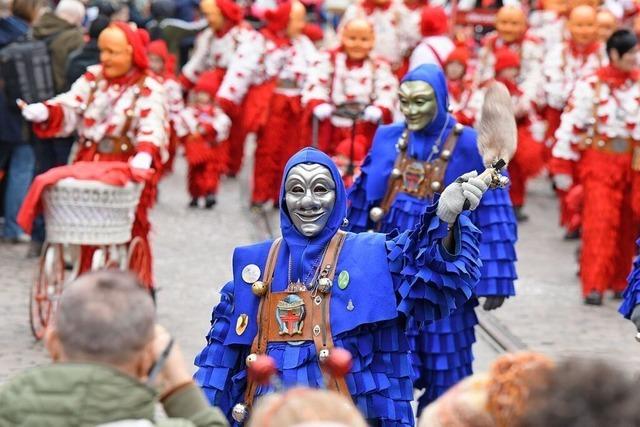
(137, 41)
(159, 47)
(208, 82)
(230, 10)
(278, 19)
(459, 54)
(433, 21)
(314, 32)
(359, 144)
(506, 58)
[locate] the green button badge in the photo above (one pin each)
(343, 279)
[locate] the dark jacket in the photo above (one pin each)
(83, 395)
(79, 60)
(11, 29)
(63, 38)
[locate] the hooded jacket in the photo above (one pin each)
(389, 278)
(63, 38)
(83, 395)
(11, 123)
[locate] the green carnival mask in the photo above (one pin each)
(417, 103)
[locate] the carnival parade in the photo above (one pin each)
(320, 213)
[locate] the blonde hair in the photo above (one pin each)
(300, 406)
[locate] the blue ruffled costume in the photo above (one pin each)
(391, 277)
(631, 296)
(441, 351)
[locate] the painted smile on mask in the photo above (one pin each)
(309, 196)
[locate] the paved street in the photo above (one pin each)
(193, 251)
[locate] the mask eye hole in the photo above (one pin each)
(297, 189)
(320, 189)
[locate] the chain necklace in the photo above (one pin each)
(305, 284)
(435, 149)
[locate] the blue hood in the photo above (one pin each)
(305, 251)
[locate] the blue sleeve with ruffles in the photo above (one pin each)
(495, 219)
(359, 206)
(218, 363)
(631, 296)
(429, 281)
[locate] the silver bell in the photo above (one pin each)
(240, 412)
(251, 358)
(402, 144)
(436, 186)
(395, 173)
(323, 355)
(445, 155)
(324, 284)
(376, 214)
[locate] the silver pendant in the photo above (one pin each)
(350, 305)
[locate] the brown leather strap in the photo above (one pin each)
(394, 184)
(321, 315)
(129, 112)
(259, 345)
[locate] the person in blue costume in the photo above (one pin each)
(630, 307)
(431, 148)
(426, 272)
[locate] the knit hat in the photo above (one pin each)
(137, 41)
(230, 10)
(506, 58)
(208, 82)
(277, 19)
(159, 47)
(459, 54)
(433, 21)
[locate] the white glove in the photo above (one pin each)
(372, 114)
(36, 113)
(468, 187)
(323, 111)
(222, 125)
(142, 160)
(563, 181)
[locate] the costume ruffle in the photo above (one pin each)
(442, 353)
(359, 205)
(495, 218)
(433, 282)
(380, 380)
(631, 296)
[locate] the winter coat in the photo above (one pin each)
(83, 395)
(63, 38)
(11, 29)
(80, 60)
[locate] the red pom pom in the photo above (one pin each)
(339, 362)
(262, 369)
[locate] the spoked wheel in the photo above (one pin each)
(139, 262)
(46, 289)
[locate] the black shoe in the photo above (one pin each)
(35, 248)
(210, 201)
(231, 175)
(520, 215)
(572, 235)
(193, 203)
(618, 295)
(594, 298)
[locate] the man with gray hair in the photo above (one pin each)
(111, 361)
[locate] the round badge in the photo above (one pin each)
(343, 279)
(251, 273)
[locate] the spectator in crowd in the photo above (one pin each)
(584, 393)
(303, 406)
(17, 160)
(62, 30)
(87, 55)
(106, 347)
(160, 10)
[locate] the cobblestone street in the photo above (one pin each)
(193, 248)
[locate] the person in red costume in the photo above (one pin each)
(436, 44)
(215, 49)
(564, 65)
(511, 32)
(163, 65)
(208, 127)
(548, 23)
(599, 142)
(276, 61)
(528, 160)
(119, 112)
(460, 85)
(348, 158)
(395, 35)
(607, 23)
(349, 76)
